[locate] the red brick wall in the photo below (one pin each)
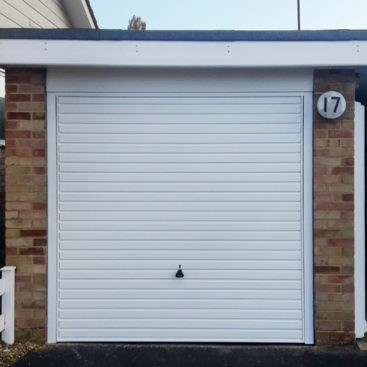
(26, 197)
(333, 213)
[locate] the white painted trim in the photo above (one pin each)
(52, 240)
(308, 218)
(359, 222)
(2, 323)
(176, 81)
(79, 14)
(2, 287)
(182, 53)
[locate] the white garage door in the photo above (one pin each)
(211, 182)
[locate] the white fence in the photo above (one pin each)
(7, 293)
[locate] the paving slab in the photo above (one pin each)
(189, 355)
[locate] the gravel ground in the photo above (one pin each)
(11, 353)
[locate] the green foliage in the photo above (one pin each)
(137, 24)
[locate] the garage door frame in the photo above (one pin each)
(307, 230)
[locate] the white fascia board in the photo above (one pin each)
(79, 14)
(182, 54)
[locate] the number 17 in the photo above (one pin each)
(337, 99)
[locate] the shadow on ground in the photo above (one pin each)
(146, 355)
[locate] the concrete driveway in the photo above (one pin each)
(174, 355)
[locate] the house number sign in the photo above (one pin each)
(331, 105)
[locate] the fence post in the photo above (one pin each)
(8, 303)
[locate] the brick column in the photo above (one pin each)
(26, 197)
(333, 213)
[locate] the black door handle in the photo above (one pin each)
(179, 273)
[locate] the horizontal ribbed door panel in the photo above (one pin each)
(148, 182)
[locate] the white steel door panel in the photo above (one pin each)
(179, 294)
(184, 148)
(211, 182)
(89, 119)
(177, 107)
(204, 206)
(167, 264)
(183, 254)
(180, 128)
(159, 246)
(179, 235)
(230, 314)
(286, 157)
(179, 138)
(216, 275)
(188, 284)
(184, 334)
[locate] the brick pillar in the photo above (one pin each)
(26, 197)
(333, 213)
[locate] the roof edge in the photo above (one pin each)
(91, 11)
(80, 13)
(197, 36)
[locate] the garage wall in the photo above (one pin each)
(26, 198)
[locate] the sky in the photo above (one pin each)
(232, 14)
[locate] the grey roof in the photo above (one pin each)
(207, 36)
